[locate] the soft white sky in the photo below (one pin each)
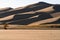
(19, 3)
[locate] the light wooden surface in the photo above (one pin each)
(29, 34)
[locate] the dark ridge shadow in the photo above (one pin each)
(57, 8)
(37, 6)
(22, 16)
(6, 9)
(26, 9)
(39, 3)
(41, 16)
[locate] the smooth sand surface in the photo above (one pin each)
(29, 34)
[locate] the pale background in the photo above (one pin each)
(19, 3)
